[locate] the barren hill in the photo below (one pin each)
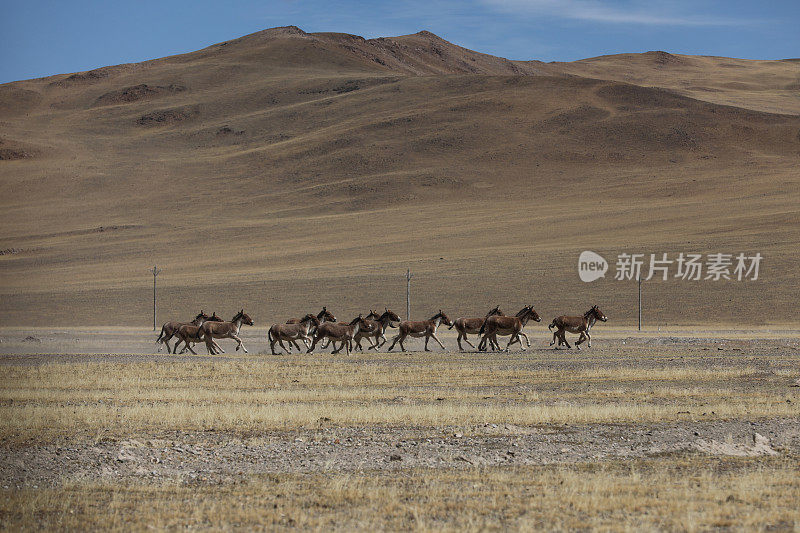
(284, 170)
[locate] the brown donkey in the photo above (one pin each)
(322, 316)
(576, 324)
(169, 329)
(421, 328)
(225, 330)
(291, 333)
(189, 335)
(472, 325)
(374, 326)
(507, 325)
(338, 332)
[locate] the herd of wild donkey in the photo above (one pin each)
(323, 326)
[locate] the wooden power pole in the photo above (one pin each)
(409, 275)
(156, 271)
(639, 279)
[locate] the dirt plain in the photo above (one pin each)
(650, 407)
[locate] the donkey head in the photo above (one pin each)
(244, 317)
(495, 311)
(310, 318)
(528, 312)
(446, 321)
(214, 318)
(389, 315)
(326, 316)
(372, 315)
(596, 313)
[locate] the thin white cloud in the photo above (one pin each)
(634, 12)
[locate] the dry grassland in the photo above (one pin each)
(686, 493)
(620, 437)
(425, 390)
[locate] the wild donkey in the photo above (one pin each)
(169, 329)
(472, 325)
(576, 324)
(421, 328)
(338, 332)
(292, 332)
(507, 325)
(189, 335)
(374, 326)
(225, 330)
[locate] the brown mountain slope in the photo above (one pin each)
(771, 86)
(283, 171)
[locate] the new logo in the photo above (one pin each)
(591, 266)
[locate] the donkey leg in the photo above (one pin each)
(527, 340)
(521, 334)
(394, 341)
(589, 337)
(384, 339)
(437, 340)
(239, 345)
(426, 343)
(379, 341)
(272, 346)
(514, 338)
(581, 339)
(467, 341)
(313, 344)
(189, 347)
(495, 342)
(210, 346)
(564, 340)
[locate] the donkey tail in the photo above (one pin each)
(160, 336)
(269, 334)
(552, 324)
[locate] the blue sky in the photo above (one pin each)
(40, 38)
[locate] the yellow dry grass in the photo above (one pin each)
(687, 493)
(425, 390)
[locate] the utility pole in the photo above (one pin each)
(156, 271)
(409, 275)
(639, 279)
